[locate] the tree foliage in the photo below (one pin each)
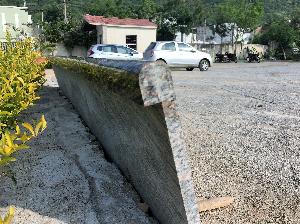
(170, 15)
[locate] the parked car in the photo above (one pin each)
(115, 52)
(178, 54)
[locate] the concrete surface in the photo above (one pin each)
(145, 142)
(241, 124)
(65, 178)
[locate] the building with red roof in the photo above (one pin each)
(134, 33)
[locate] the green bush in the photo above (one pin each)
(21, 75)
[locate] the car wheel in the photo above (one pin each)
(189, 69)
(204, 65)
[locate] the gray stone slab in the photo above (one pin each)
(145, 141)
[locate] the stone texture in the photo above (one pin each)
(145, 144)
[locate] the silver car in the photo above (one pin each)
(112, 51)
(177, 54)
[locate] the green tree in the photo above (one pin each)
(219, 20)
(283, 34)
(147, 9)
(295, 23)
(180, 15)
(243, 15)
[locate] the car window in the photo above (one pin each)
(107, 49)
(123, 50)
(99, 48)
(169, 46)
(110, 49)
(184, 47)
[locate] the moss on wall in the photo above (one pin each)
(118, 81)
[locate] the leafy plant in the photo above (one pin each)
(8, 217)
(13, 141)
(20, 77)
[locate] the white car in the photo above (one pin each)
(112, 51)
(177, 54)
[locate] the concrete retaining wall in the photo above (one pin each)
(241, 51)
(130, 107)
(77, 51)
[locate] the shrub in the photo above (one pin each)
(20, 78)
(13, 141)
(21, 75)
(9, 216)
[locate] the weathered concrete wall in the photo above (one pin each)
(77, 51)
(241, 51)
(145, 142)
(62, 51)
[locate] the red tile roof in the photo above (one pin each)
(101, 20)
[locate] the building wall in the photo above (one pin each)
(117, 35)
(187, 38)
(14, 17)
(241, 51)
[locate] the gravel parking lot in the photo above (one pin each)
(241, 124)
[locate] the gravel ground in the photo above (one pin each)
(64, 178)
(241, 123)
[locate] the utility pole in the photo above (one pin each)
(42, 19)
(65, 11)
(204, 34)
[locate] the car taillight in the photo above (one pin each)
(151, 53)
(90, 52)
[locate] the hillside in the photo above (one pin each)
(54, 8)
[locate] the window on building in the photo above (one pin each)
(131, 41)
(169, 47)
